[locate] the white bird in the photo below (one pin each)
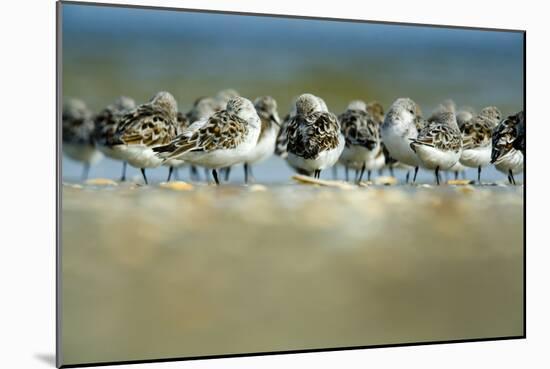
(149, 125)
(224, 139)
(315, 141)
(106, 123)
(399, 127)
(508, 139)
(362, 140)
(77, 134)
(266, 107)
(476, 137)
(439, 144)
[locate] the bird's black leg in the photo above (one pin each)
(123, 177)
(512, 179)
(368, 175)
(227, 172)
(479, 174)
(357, 172)
(170, 170)
(319, 174)
(193, 173)
(215, 175)
(456, 175)
(347, 174)
(407, 176)
(437, 175)
(415, 173)
(245, 173)
(85, 171)
(144, 176)
(361, 175)
(391, 172)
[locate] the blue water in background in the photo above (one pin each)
(109, 51)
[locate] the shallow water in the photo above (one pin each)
(150, 272)
(273, 171)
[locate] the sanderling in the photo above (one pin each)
(149, 125)
(509, 145)
(224, 139)
(362, 140)
(376, 110)
(315, 141)
(439, 144)
(476, 139)
(399, 127)
(266, 107)
(106, 123)
(77, 134)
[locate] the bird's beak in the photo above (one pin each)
(275, 119)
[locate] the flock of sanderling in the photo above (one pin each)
(227, 129)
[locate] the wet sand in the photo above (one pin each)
(151, 272)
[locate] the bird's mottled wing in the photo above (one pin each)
(146, 126)
(106, 123)
(359, 128)
(311, 135)
(505, 136)
(282, 137)
(519, 143)
(222, 130)
(439, 136)
(77, 130)
(476, 132)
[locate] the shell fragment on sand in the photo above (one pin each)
(460, 182)
(257, 188)
(177, 186)
(301, 179)
(385, 180)
(101, 182)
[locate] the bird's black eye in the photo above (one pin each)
(411, 111)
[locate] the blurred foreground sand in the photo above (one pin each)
(150, 272)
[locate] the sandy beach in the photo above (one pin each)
(152, 272)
